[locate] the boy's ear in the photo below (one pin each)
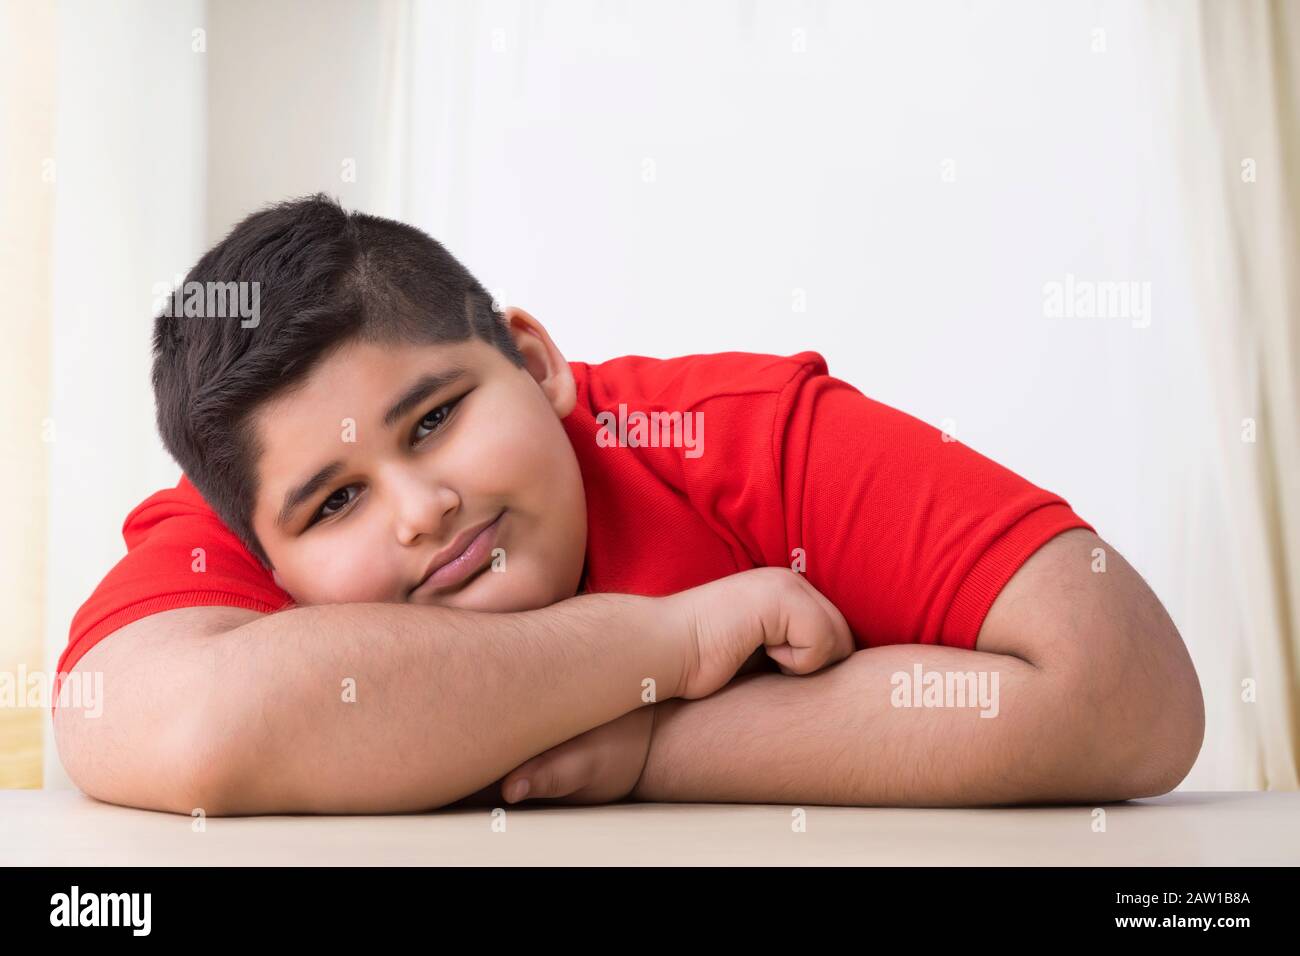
(542, 359)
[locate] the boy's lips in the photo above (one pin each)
(459, 559)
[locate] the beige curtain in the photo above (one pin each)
(1237, 93)
(27, 82)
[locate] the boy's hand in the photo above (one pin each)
(601, 766)
(774, 609)
(729, 624)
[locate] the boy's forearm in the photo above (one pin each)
(836, 738)
(372, 708)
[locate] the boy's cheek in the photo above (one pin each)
(341, 577)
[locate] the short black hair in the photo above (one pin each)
(324, 277)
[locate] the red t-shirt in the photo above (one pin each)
(910, 536)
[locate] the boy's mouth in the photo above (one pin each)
(460, 559)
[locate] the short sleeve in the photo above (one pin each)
(910, 535)
(179, 554)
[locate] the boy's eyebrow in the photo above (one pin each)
(418, 391)
(297, 496)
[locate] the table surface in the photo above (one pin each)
(1215, 828)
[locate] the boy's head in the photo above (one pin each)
(376, 413)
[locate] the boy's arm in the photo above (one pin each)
(257, 718)
(1097, 701)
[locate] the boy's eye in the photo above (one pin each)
(325, 511)
(434, 420)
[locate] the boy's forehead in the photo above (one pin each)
(368, 374)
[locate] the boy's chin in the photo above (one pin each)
(501, 596)
(488, 592)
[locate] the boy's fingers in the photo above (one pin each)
(553, 774)
(844, 644)
(799, 661)
(783, 654)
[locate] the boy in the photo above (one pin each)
(417, 558)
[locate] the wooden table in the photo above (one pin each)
(1221, 828)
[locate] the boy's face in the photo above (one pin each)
(484, 449)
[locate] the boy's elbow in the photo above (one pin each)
(1172, 745)
(210, 773)
(1138, 717)
(178, 771)
(205, 788)
(1158, 726)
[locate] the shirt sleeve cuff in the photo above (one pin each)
(961, 626)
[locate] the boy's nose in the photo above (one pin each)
(421, 510)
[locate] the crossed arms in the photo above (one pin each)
(239, 713)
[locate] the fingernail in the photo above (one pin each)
(518, 791)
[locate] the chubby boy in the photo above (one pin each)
(417, 559)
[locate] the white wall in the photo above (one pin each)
(301, 98)
(821, 171)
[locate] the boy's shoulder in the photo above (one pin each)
(183, 499)
(684, 381)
